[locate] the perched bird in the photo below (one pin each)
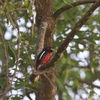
(43, 57)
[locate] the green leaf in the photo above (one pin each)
(16, 98)
(11, 53)
(75, 86)
(91, 94)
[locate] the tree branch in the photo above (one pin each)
(89, 83)
(41, 36)
(40, 40)
(69, 6)
(70, 36)
(84, 82)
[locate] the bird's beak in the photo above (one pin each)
(53, 50)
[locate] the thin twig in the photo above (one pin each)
(26, 90)
(89, 83)
(49, 80)
(5, 53)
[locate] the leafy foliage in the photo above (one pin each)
(77, 69)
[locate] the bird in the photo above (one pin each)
(43, 57)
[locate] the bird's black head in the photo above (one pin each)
(50, 49)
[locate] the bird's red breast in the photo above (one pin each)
(43, 57)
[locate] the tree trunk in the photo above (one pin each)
(46, 90)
